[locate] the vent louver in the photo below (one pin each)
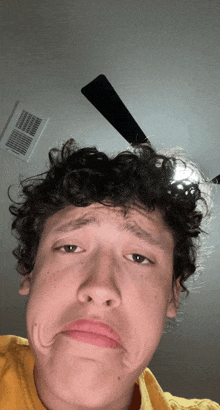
(28, 123)
(22, 132)
(18, 142)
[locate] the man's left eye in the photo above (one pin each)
(70, 248)
(135, 257)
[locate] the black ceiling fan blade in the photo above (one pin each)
(216, 180)
(105, 99)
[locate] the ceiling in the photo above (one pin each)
(162, 58)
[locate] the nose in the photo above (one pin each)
(100, 287)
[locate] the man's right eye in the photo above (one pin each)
(70, 249)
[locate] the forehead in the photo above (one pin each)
(145, 225)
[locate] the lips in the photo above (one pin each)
(92, 326)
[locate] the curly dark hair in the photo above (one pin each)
(82, 176)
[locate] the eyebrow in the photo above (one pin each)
(140, 233)
(75, 224)
(131, 227)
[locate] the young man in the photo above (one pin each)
(105, 246)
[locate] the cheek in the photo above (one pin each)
(153, 299)
(157, 282)
(53, 287)
(43, 294)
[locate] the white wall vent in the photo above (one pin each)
(22, 132)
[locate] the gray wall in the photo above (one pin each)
(162, 57)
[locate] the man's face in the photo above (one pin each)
(94, 263)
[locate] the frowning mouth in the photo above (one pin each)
(93, 332)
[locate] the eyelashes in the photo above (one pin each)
(133, 257)
(140, 259)
(69, 248)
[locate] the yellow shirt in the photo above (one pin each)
(18, 391)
